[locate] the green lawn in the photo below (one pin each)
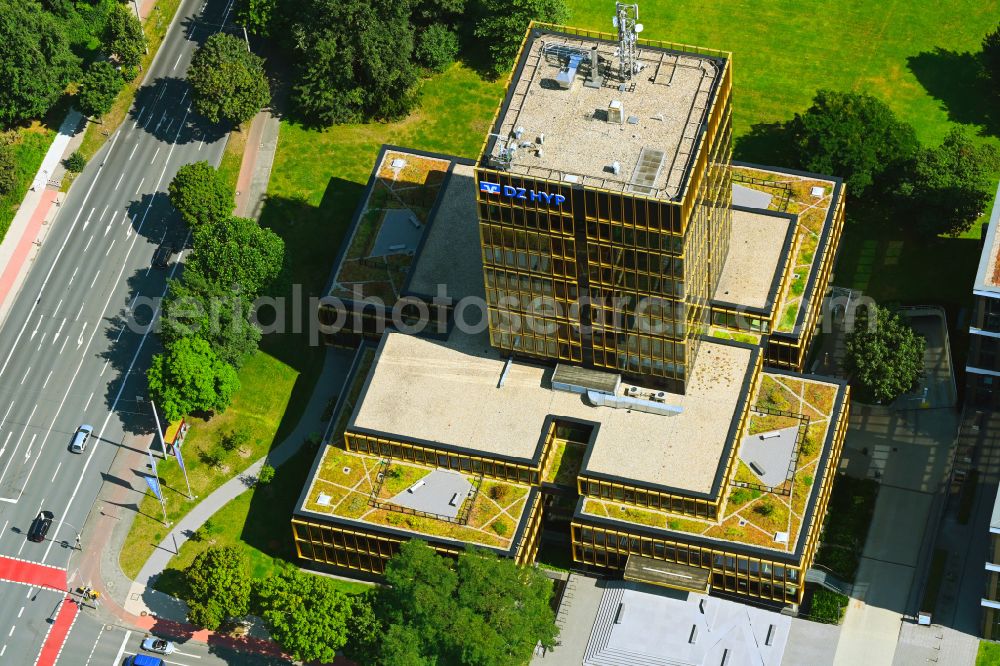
(30, 145)
(911, 54)
(256, 522)
(989, 654)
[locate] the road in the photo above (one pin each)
(66, 355)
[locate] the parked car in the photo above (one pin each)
(79, 443)
(158, 645)
(143, 660)
(40, 526)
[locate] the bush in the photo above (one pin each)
(265, 476)
(437, 47)
(8, 169)
(499, 492)
(500, 527)
(741, 496)
(75, 162)
(129, 73)
(764, 509)
(236, 439)
(827, 606)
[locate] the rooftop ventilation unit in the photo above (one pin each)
(660, 396)
(632, 391)
(616, 112)
(598, 399)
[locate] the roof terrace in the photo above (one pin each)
(581, 124)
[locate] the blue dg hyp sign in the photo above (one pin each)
(521, 193)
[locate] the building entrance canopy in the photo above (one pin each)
(666, 574)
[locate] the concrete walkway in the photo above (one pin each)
(141, 597)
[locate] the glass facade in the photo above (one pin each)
(610, 280)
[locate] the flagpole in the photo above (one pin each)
(159, 493)
(159, 430)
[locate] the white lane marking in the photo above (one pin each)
(3, 649)
(176, 62)
(73, 276)
(12, 628)
(55, 261)
(119, 180)
(88, 401)
(121, 650)
(30, 590)
(113, 142)
(140, 185)
(41, 341)
(56, 472)
(188, 654)
(58, 305)
(8, 412)
(109, 247)
(61, 324)
(96, 275)
(202, 143)
(20, 611)
(79, 312)
(89, 241)
(183, 97)
(26, 374)
(47, 378)
(4, 447)
(37, 324)
(119, 336)
(79, 340)
(135, 146)
(138, 118)
(87, 221)
(17, 444)
(5, 524)
(154, 155)
(104, 368)
(103, 213)
(31, 444)
(63, 345)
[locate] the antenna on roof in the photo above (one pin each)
(625, 20)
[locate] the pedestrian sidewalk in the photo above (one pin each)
(36, 213)
(135, 603)
(255, 169)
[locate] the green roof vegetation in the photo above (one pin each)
(567, 457)
(414, 188)
(723, 334)
(344, 482)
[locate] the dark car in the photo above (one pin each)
(40, 526)
(164, 255)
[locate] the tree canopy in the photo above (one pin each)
(188, 377)
(36, 63)
(501, 25)
(354, 59)
(218, 586)
(237, 254)
(229, 82)
(483, 611)
(99, 87)
(123, 36)
(200, 195)
(257, 15)
(883, 354)
(194, 306)
(309, 616)
(851, 135)
(949, 187)
(991, 56)
(437, 47)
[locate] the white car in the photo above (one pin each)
(158, 645)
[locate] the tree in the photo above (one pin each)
(237, 254)
(100, 85)
(194, 306)
(36, 63)
(947, 188)
(189, 377)
(200, 195)
(8, 168)
(437, 48)
(75, 162)
(218, 586)
(257, 15)
(991, 56)
(502, 23)
(354, 59)
(883, 354)
(851, 135)
(483, 611)
(124, 37)
(309, 616)
(229, 82)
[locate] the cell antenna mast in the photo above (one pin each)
(626, 17)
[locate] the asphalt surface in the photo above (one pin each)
(67, 355)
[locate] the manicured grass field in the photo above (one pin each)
(989, 654)
(914, 55)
